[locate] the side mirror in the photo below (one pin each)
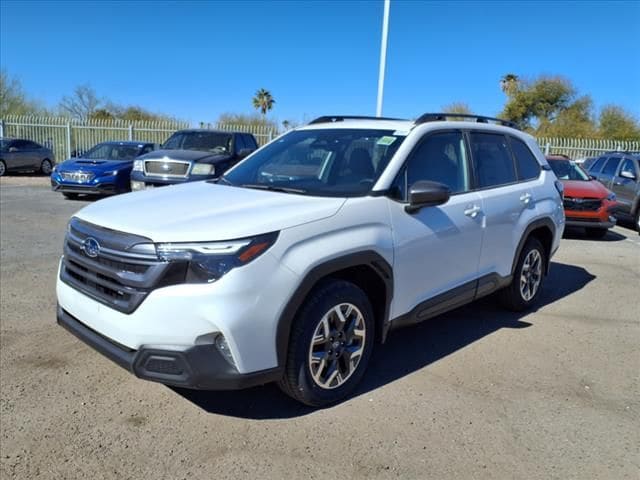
(13, 149)
(243, 152)
(628, 174)
(427, 194)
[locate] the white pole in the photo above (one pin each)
(383, 56)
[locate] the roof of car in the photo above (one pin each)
(210, 130)
(126, 142)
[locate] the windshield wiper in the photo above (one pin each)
(272, 188)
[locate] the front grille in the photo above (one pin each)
(122, 271)
(582, 204)
(78, 177)
(166, 168)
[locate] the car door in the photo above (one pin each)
(508, 203)
(625, 187)
(436, 249)
(609, 171)
(23, 155)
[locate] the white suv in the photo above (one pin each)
(298, 260)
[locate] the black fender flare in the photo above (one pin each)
(367, 258)
(541, 222)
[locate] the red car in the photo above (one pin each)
(587, 203)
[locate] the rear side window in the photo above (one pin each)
(492, 158)
(611, 166)
(597, 166)
(528, 166)
(250, 142)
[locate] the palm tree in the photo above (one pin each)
(509, 82)
(263, 101)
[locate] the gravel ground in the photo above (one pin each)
(476, 393)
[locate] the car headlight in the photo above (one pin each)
(611, 197)
(207, 262)
(138, 165)
(203, 169)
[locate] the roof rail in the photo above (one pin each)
(441, 117)
(342, 118)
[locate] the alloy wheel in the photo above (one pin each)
(531, 275)
(337, 346)
(46, 167)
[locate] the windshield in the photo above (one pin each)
(568, 170)
(214, 142)
(112, 151)
(331, 162)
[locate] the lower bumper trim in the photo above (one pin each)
(199, 367)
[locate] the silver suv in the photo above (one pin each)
(293, 264)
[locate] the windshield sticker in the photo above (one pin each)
(386, 141)
(401, 133)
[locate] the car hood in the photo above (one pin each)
(93, 165)
(203, 211)
(584, 189)
(186, 155)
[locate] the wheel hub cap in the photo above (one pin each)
(337, 346)
(531, 275)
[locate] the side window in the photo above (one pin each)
(21, 145)
(441, 157)
(251, 142)
(528, 166)
(596, 167)
(493, 161)
(147, 149)
(627, 166)
(239, 139)
(611, 166)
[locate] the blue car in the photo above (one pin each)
(103, 170)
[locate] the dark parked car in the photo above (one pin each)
(18, 155)
(190, 155)
(103, 170)
(620, 173)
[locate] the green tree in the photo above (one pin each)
(509, 83)
(576, 120)
(618, 124)
(251, 120)
(13, 100)
(263, 101)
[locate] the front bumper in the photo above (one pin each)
(199, 367)
(590, 223)
(141, 181)
(601, 218)
(98, 186)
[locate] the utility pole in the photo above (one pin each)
(383, 56)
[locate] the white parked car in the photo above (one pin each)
(311, 250)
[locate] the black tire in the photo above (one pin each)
(512, 297)
(70, 196)
(3, 168)
(636, 219)
(297, 381)
(597, 232)
(46, 167)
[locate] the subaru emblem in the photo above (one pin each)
(91, 247)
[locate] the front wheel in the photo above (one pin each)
(330, 344)
(46, 167)
(526, 285)
(3, 168)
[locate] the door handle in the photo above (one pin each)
(525, 198)
(472, 211)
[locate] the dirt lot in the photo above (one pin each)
(477, 393)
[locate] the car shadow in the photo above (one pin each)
(406, 350)
(578, 233)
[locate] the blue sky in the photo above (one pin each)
(198, 59)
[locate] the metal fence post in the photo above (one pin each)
(68, 140)
(130, 132)
(547, 147)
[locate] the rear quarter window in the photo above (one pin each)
(528, 166)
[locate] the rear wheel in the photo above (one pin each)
(330, 344)
(597, 232)
(46, 167)
(527, 281)
(3, 168)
